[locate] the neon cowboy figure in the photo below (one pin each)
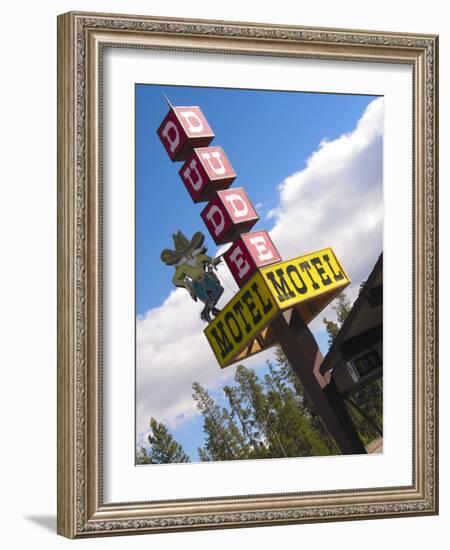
(194, 271)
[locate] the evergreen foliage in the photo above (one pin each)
(142, 456)
(163, 449)
(267, 416)
(341, 306)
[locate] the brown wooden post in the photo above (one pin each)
(304, 356)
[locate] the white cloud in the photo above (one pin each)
(172, 352)
(335, 201)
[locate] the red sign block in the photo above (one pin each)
(229, 214)
(183, 129)
(205, 171)
(248, 253)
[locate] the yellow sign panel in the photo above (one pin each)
(307, 283)
(304, 278)
(241, 320)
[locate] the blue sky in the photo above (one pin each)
(273, 140)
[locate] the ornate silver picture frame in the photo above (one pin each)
(82, 40)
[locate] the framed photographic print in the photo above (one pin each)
(247, 288)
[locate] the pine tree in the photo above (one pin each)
(251, 392)
(332, 329)
(298, 436)
(223, 440)
(238, 441)
(164, 449)
(142, 456)
(341, 305)
(242, 414)
(204, 455)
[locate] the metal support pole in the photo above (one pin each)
(302, 352)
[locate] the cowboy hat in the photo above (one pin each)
(182, 247)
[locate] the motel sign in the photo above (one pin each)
(307, 283)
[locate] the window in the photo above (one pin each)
(367, 362)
